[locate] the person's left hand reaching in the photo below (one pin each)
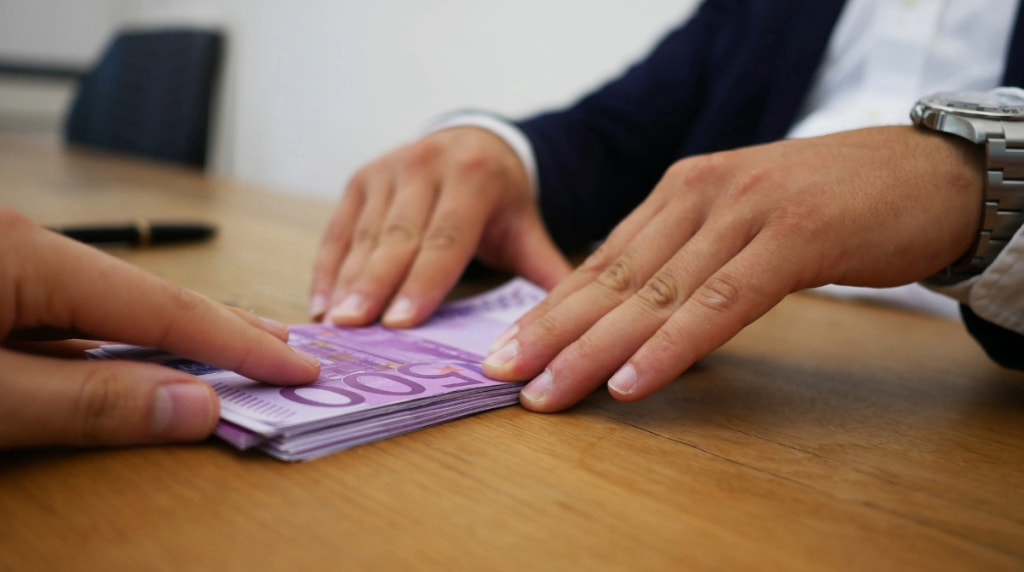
(56, 294)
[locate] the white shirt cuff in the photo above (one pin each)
(995, 294)
(504, 129)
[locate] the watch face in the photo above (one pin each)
(1001, 103)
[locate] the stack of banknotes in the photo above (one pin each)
(374, 383)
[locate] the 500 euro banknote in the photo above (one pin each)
(374, 383)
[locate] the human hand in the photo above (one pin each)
(410, 221)
(52, 288)
(724, 237)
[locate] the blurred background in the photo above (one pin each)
(309, 90)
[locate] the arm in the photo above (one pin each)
(724, 237)
(410, 221)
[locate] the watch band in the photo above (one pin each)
(1003, 207)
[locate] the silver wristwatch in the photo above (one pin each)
(996, 120)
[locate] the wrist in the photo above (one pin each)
(994, 123)
(966, 168)
(503, 129)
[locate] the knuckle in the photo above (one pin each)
(441, 237)
(421, 154)
(585, 348)
(184, 304)
(370, 179)
(660, 292)
(346, 278)
(95, 406)
(753, 183)
(598, 260)
(698, 171)
(720, 294)
(619, 277)
(668, 342)
(186, 301)
(545, 306)
(546, 329)
(356, 184)
(683, 170)
(398, 232)
(471, 163)
(250, 354)
(364, 236)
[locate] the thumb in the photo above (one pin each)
(533, 255)
(69, 402)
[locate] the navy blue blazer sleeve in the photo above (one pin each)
(1005, 347)
(601, 157)
(733, 75)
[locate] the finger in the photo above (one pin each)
(67, 285)
(597, 263)
(537, 338)
(621, 237)
(464, 204)
(586, 363)
(534, 256)
(59, 402)
(334, 246)
(399, 243)
(753, 282)
(506, 347)
(272, 327)
(349, 307)
(548, 270)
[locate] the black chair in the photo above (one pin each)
(150, 95)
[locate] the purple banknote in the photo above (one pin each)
(374, 383)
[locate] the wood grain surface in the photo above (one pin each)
(827, 436)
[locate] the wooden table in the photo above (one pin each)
(829, 435)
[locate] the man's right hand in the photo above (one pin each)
(410, 221)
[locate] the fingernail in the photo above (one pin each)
(624, 380)
(182, 411)
(537, 390)
(308, 358)
(507, 353)
(506, 336)
(351, 307)
(317, 306)
(401, 310)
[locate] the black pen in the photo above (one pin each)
(142, 233)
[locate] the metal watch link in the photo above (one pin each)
(994, 119)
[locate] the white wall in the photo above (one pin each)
(67, 32)
(70, 31)
(315, 88)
